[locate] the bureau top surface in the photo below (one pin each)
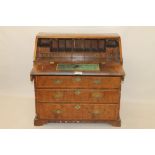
(48, 68)
(77, 35)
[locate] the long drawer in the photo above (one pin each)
(78, 111)
(77, 82)
(78, 95)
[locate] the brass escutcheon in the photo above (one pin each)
(77, 92)
(58, 95)
(97, 95)
(57, 81)
(97, 81)
(77, 79)
(77, 106)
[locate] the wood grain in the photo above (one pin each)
(92, 96)
(77, 82)
(85, 112)
(78, 95)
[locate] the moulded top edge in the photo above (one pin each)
(77, 35)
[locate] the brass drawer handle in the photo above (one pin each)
(77, 92)
(57, 81)
(77, 79)
(77, 107)
(58, 95)
(97, 95)
(97, 81)
(57, 111)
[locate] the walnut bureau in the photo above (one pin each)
(77, 78)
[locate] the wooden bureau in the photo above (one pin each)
(77, 78)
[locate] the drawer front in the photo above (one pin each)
(77, 82)
(78, 111)
(78, 95)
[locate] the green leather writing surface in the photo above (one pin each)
(78, 67)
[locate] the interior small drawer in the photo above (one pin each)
(78, 111)
(77, 82)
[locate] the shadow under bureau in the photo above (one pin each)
(77, 78)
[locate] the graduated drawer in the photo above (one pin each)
(78, 111)
(77, 82)
(78, 95)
